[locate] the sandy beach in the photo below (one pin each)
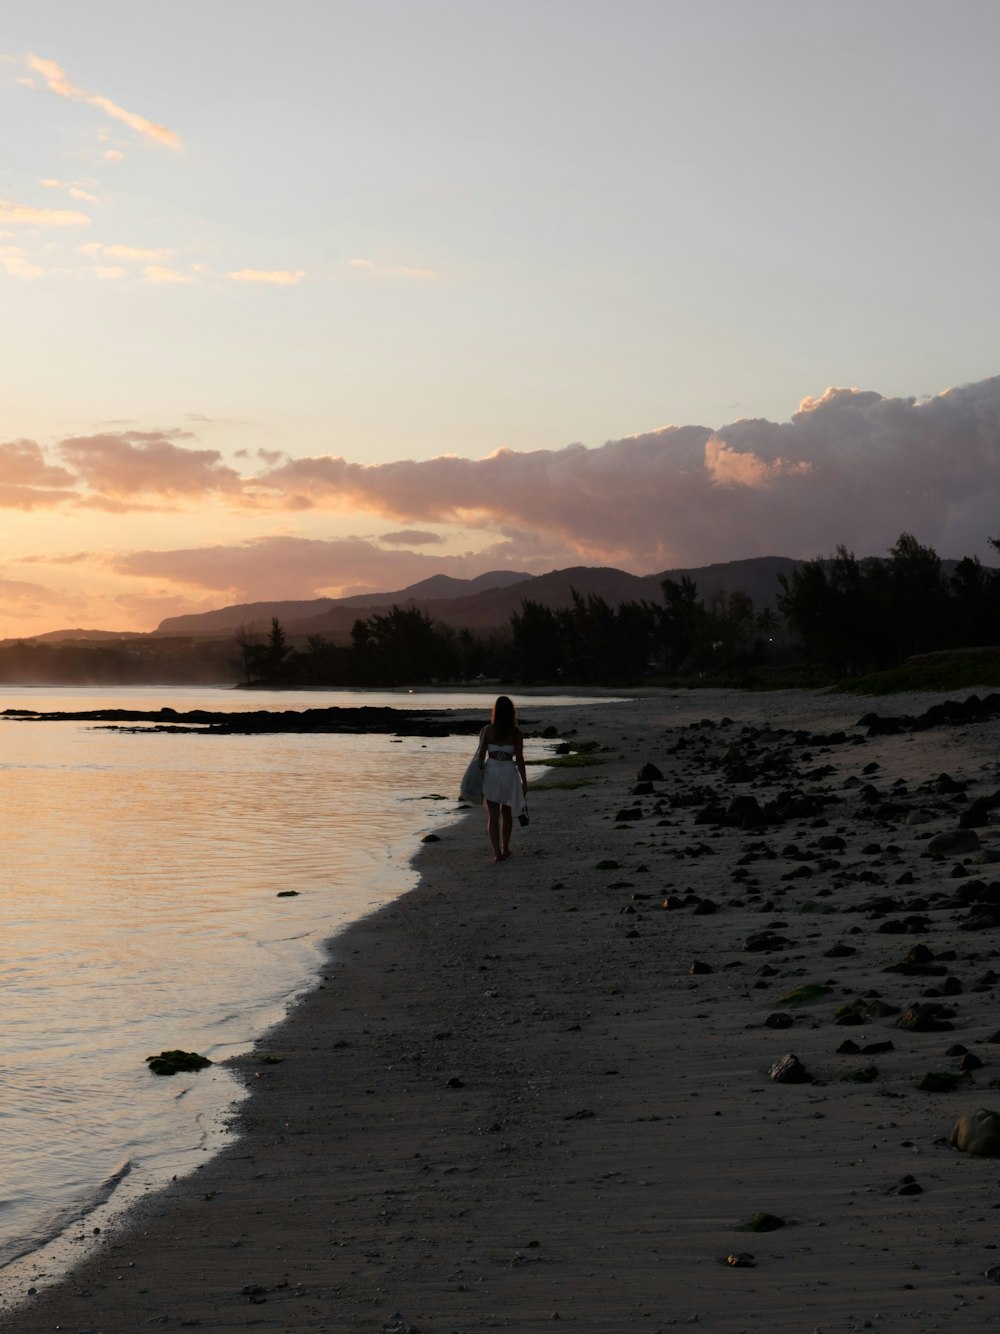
(542, 1091)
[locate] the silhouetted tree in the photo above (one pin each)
(536, 642)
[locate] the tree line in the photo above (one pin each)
(851, 616)
(589, 642)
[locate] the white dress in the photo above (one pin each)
(502, 779)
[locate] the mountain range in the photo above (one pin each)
(485, 603)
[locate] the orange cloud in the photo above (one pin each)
(13, 263)
(130, 252)
(157, 273)
(374, 270)
(22, 596)
(275, 277)
(119, 468)
(58, 82)
(28, 481)
(25, 215)
(727, 466)
(411, 537)
(269, 567)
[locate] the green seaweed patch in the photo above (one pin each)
(951, 669)
(844, 1011)
(764, 1222)
(176, 1061)
(564, 785)
(941, 1081)
(812, 991)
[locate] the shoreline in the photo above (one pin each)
(509, 1098)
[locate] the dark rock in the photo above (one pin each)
(892, 928)
(978, 1133)
(764, 1222)
(866, 1075)
(831, 843)
(790, 1070)
(954, 843)
(765, 941)
(649, 773)
(908, 1186)
(877, 1048)
(778, 1019)
(924, 1019)
(700, 967)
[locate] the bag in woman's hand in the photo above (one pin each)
(523, 817)
(471, 788)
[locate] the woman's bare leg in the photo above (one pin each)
(507, 822)
(493, 828)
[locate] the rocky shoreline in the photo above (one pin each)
(696, 1054)
(364, 718)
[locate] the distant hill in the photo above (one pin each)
(255, 617)
(437, 588)
(59, 636)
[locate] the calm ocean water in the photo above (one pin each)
(139, 911)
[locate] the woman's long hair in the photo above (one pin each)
(504, 720)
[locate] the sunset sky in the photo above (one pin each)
(315, 297)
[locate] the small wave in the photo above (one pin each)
(56, 1223)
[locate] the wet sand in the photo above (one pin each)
(513, 1102)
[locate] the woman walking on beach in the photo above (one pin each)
(501, 752)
